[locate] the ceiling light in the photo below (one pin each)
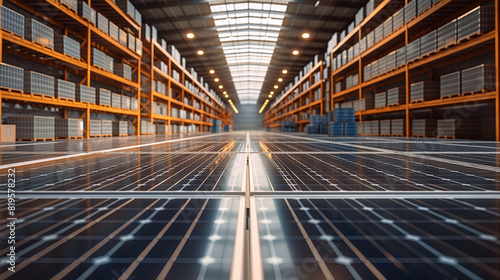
(267, 100)
(226, 96)
(190, 35)
(316, 4)
(280, 80)
(212, 71)
(272, 92)
(295, 52)
(200, 52)
(224, 92)
(275, 86)
(270, 95)
(306, 35)
(221, 87)
(216, 80)
(284, 71)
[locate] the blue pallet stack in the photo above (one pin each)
(320, 123)
(288, 126)
(312, 129)
(217, 127)
(342, 122)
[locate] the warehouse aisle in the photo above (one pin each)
(165, 207)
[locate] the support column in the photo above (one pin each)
(497, 66)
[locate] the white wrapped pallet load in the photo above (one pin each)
(12, 21)
(39, 33)
(38, 83)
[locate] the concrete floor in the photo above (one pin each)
(262, 205)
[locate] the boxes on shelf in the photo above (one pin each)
(106, 127)
(390, 62)
(122, 37)
(114, 31)
(65, 89)
(371, 5)
(388, 27)
(361, 128)
(385, 127)
(396, 96)
(423, 127)
(447, 34)
(374, 128)
(11, 77)
(379, 33)
(398, 127)
(102, 60)
(350, 27)
(68, 46)
(147, 127)
(380, 100)
(116, 100)
(312, 129)
(367, 72)
(33, 127)
(375, 69)
(362, 45)
(134, 104)
(410, 11)
(138, 46)
(123, 70)
(398, 19)
(102, 23)
(38, 83)
(423, 5)
(457, 128)
(12, 21)
(103, 97)
(85, 11)
(401, 56)
(413, 50)
(360, 15)
(125, 102)
(85, 94)
(428, 43)
(138, 16)
(450, 84)
(424, 91)
(479, 79)
(68, 128)
(126, 6)
(131, 41)
(478, 21)
(370, 39)
(146, 32)
(95, 128)
(120, 128)
(161, 128)
(72, 4)
(39, 33)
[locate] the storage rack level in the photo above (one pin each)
(440, 13)
(284, 108)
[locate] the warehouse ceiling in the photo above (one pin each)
(248, 43)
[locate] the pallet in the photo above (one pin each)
(450, 96)
(419, 136)
(42, 95)
(474, 92)
(107, 135)
(417, 101)
(95, 136)
(428, 54)
(386, 135)
(68, 7)
(122, 135)
(397, 135)
(66, 99)
(100, 68)
(12, 33)
(446, 47)
(43, 46)
(70, 137)
(393, 105)
(11, 90)
(105, 105)
(472, 36)
(35, 139)
(446, 137)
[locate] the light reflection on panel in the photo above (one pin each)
(392, 239)
(105, 239)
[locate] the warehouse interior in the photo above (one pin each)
(261, 139)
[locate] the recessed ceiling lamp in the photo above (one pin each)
(275, 86)
(216, 80)
(190, 35)
(221, 86)
(295, 52)
(284, 71)
(200, 52)
(280, 80)
(306, 35)
(212, 71)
